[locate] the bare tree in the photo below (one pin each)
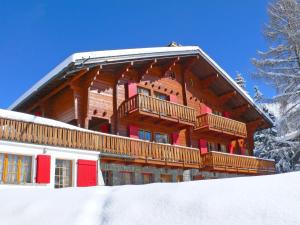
(280, 67)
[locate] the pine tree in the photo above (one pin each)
(280, 67)
(268, 146)
(240, 81)
(258, 96)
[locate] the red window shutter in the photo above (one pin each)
(205, 109)
(133, 131)
(43, 169)
(132, 89)
(231, 148)
(203, 146)
(38, 113)
(175, 138)
(226, 114)
(86, 173)
(173, 98)
(104, 128)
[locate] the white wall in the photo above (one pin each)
(55, 153)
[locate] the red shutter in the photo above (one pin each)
(173, 98)
(132, 89)
(104, 128)
(175, 138)
(231, 148)
(86, 173)
(38, 113)
(226, 114)
(133, 131)
(203, 146)
(205, 109)
(43, 169)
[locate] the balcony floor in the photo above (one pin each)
(156, 119)
(207, 132)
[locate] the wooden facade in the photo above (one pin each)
(182, 101)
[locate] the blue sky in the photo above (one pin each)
(36, 35)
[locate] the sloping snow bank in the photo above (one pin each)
(264, 200)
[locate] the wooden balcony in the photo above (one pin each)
(157, 111)
(112, 147)
(211, 125)
(224, 162)
(131, 151)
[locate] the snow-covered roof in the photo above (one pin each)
(7, 114)
(259, 200)
(131, 54)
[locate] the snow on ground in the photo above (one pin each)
(263, 200)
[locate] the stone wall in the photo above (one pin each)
(137, 172)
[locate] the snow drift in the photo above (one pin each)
(263, 200)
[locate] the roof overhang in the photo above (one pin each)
(80, 60)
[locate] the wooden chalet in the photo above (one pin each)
(155, 115)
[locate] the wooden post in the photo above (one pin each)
(115, 128)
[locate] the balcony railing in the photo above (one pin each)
(109, 145)
(131, 150)
(224, 162)
(211, 122)
(158, 107)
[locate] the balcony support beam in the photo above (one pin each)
(168, 67)
(226, 97)
(238, 111)
(205, 83)
(76, 75)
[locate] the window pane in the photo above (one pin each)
(223, 148)
(25, 176)
(141, 134)
(147, 135)
(165, 178)
(126, 178)
(161, 96)
(161, 138)
(147, 178)
(63, 173)
(107, 177)
(12, 169)
(143, 91)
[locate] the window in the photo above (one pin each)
(165, 178)
(147, 178)
(15, 169)
(223, 148)
(161, 138)
(143, 91)
(107, 177)
(63, 173)
(212, 146)
(216, 112)
(179, 178)
(161, 96)
(145, 135)
(127, 178)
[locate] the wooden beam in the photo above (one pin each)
(169, 65)
(145, 69)
(255, 124)
(240, 110)
(126, 68)
(226, 97)
(189, 63)
(58, 89)
(205, 83)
